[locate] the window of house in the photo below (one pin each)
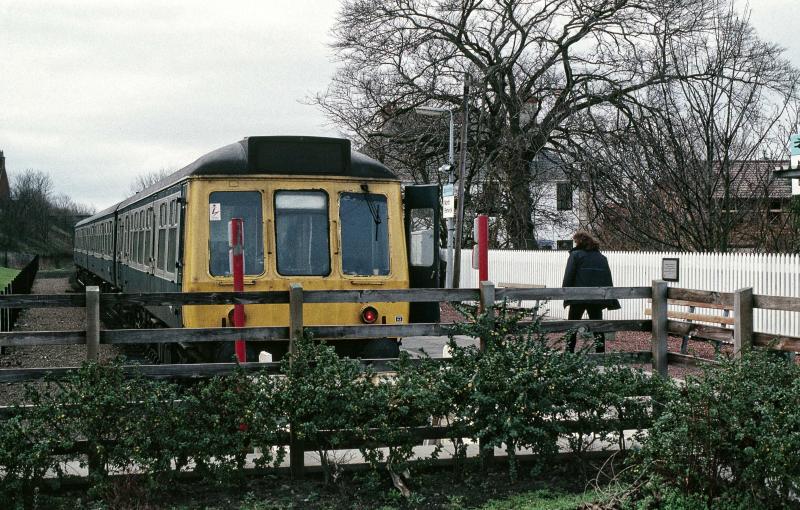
(564, 244)
(563, 196)
(301, 232)
(224, 206)
(365, 234)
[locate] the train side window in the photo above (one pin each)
(140, 246)
(173, 236)
(126, 243)
(301, 232)
(162, 237)
(365, 234)
(421, 250)
(223, 206)
(148, 236)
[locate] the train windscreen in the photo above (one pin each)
(365, 234)
(301, 231)
(224, 206)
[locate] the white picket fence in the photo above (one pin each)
(771, 274)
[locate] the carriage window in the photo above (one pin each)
(172, 240)
(223, 206)
(148, 235)
(365, 234)
(301, 231)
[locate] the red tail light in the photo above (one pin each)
(369, 315)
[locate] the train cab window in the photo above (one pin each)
(365, 234)
(224, 206)
(301, 232)
(422, 248)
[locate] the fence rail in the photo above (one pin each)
(660, 326)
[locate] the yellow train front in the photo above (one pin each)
(315, 213)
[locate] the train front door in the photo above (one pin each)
(422, 224)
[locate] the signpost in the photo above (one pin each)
(670, 269)
(794, 161)
(793, 171)
(448, 202)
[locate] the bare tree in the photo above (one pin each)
(687, 164)
(533, 67)
(145, 180)
(27, 216)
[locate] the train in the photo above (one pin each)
(314, 211)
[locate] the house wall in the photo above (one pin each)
(552, 224)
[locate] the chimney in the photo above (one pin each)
(5, 190)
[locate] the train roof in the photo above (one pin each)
(276, 155)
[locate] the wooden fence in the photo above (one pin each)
(742, 302)
(21, 284)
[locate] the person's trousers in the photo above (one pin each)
(595, 314)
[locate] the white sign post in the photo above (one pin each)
(448, 201)
(794, 161)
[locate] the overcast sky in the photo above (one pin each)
(95, 92)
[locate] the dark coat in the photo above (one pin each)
(588, 268)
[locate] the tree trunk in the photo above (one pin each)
(519, 212)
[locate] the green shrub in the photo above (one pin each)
(732, 433)
(526, 393)
(328, 399)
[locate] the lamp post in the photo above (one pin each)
(436, 112)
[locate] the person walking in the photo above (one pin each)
(587, 267)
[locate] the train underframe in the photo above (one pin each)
(131, 316)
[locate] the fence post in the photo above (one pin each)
(487, 292)
(296, 446)
(3, 322)
(659, 315)
(743, 320)
(295, 315)
(92, 322)
(487, 303)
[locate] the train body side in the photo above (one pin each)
(314, 213)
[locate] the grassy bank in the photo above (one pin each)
(6, 275)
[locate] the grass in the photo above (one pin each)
(6, 275)
(542, 499)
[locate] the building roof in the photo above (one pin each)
(757, 179)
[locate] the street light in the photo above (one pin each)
(438, 112)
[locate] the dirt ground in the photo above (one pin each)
(47, 319)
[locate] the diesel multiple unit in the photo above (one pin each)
(314, 212)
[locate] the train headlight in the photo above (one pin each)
(369, 315)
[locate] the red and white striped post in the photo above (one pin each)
(482, 235)
(236, 231)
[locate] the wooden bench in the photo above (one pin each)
(691, 316)
(522, 286)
